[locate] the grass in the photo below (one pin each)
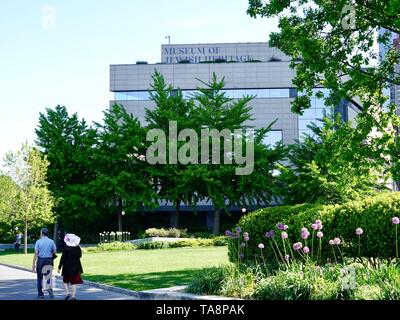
(139, 269)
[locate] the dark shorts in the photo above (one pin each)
(73, 279)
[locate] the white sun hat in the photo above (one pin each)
(72, 240)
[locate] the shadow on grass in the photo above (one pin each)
(9, 252)
(146, 281)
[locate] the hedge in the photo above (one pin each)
(373, 214)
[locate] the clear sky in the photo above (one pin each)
(59, 52)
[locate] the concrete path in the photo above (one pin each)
(17, 284)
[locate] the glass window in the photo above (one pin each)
(238, 93)
(252, 92)
(272, 138)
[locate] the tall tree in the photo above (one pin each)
(68, 143)
(171, 181)
(34, 201)
(122, 178)
(8, 194)
(333, 44)
(220, 182)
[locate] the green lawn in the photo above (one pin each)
(139, 269)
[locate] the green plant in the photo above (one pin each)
(373, 214)
(207, 281)
(115, 246)
(192, 243)
(152, 245)
(166, 233)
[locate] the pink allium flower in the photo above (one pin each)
(337, 241)
(297, 246)
(261, 246)
(280, 226)
(359, 231)
(304, 229)
(285, 227)
(318, 222)
(395, 220)
(320, 234)
(245, 234)
(246, 239)
(305, 235)
(284, 235)
(287, 257)
(331, 242)
(314, 226)
(306, 250)
(270, 234)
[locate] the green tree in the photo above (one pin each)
(332, 44)
(172, 181)
(33, 201)
(8, 193)
(68, 143)
(122, 178)
(334, 48)
(333, 164)
(220, 182)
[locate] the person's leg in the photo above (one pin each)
(39, 274)
(73, 289)
(66, 287)
(49, 276)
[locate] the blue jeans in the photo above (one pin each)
(41, 262)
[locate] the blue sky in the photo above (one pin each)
(59, 52)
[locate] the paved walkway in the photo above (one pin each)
(17, 284)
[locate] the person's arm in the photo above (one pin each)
(35, 256)
(60, 265)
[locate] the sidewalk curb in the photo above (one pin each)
(140, 295)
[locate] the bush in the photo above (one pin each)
(372, 214)
(192, 243)
(166, 233)
(207, 281)
(114, 246)
(152, 245)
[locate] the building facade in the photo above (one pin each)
(248, 68)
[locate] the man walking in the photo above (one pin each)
(45, 248)
(18, 240)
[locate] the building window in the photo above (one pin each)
(317, 111)
(230, 93)
(272, 138)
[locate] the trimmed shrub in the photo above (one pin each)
(166, 233)
(152, 245)
(192, 243)
(372, 214)
(114, 246)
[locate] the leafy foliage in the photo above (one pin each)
(372, 214)
(332, 165)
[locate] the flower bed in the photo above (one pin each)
(372, 215)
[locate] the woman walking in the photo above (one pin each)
(71, 266)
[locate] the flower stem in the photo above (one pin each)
(397, 246)
(333, 250)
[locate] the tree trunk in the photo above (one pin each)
(26, 238)
(217, 216)
(55, 231)
(174, 216)
(120, 214)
